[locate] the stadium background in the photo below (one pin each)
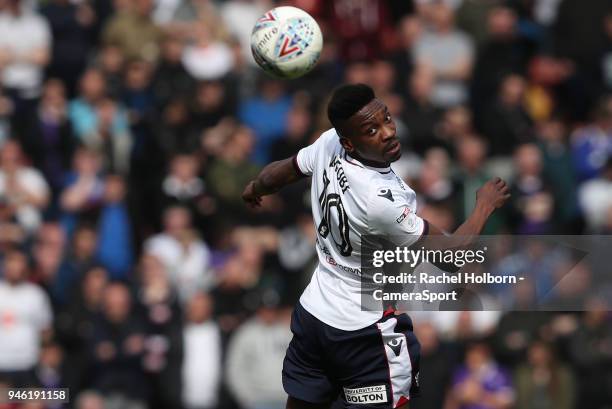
(129, 128)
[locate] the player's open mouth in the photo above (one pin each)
(394, 148)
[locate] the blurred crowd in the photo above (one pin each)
(132, 273)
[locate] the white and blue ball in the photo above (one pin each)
(286, 42)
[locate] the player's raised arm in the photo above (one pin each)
(492, 195)
(270, 180)
(281, 173)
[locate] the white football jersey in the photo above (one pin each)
(350, 199)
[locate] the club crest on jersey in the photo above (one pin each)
(386, 193)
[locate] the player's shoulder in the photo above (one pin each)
(330, 137)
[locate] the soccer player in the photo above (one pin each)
(367, 358)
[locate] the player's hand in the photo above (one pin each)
(493, 194)
(250, 196)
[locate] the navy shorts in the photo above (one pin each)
(377, 366)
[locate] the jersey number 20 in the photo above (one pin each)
(332, 202)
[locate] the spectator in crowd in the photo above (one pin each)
(210, 105)
(298, 128)
(50, 369)
(591, 355)
(578, 35)
(89, 400)
(185, 256)
(25, 321)
(117, 348)
(231, 170)
(506, 123)
(164, 345)
(207, 58)
(504, 52)
(72, 32)
(543, 382)
(94, 116)
(177, 133)
(202, 358)
(46, 135)
(471, 154)
(133, 31)
(82, 253)
(435, 358)
(110, 62)
(363, 29)
(74, 326)
(265, 115)
(25, 42)
(448, 53)
(558, 170)
(435, 184)
(22, 188)
(6, 112)
(137, 96)
(114, 230)
(255, 356)
(592, 144)
(532, 198)
(234, 291)
(83, 190)
(183, 184)
(595, 198)
(171, 79)
(49, 269)
(480, 383)
(420, 115)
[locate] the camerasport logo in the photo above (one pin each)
(366, 395)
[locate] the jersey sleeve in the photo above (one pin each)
(392, 215)
(306, 159)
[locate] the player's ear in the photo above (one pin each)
(347, 144)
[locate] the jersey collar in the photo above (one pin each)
(353, 161)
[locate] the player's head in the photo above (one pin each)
(364, 124)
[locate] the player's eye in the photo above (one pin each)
(388, 118)
(372, 131)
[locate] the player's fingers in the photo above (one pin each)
(498, 181)
(504, 189)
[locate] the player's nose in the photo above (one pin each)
(388, 133)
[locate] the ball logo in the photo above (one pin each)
(288, 48)
(264, 21)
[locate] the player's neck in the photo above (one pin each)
(367, 162)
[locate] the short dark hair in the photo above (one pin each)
(347, 100)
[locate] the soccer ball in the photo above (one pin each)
(286, 42)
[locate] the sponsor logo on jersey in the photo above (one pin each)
(395, 345)
(366, 395)
(331, 261)
(403, 216)
(386, 193)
